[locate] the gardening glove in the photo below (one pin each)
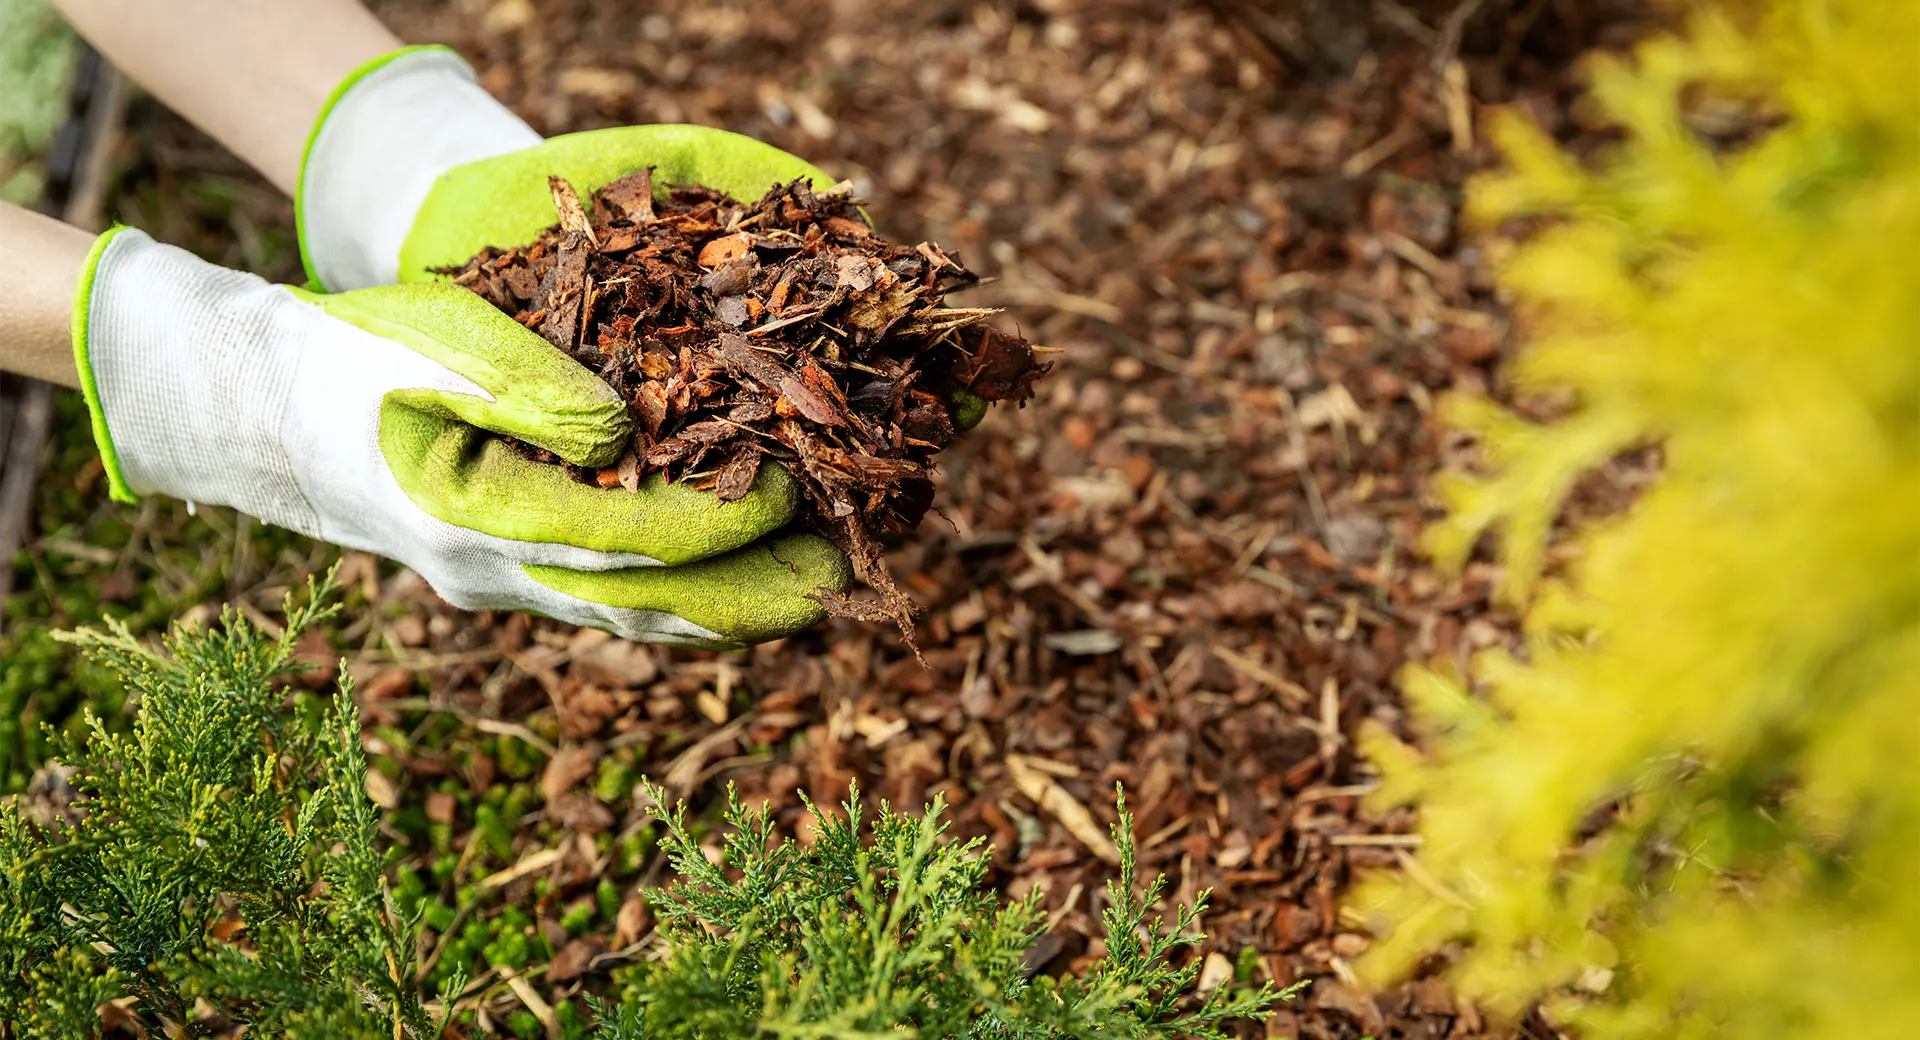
(359, 418)
(412, 166)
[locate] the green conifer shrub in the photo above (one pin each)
(848, 938)
(217, 802)
(1689, 806)
(224, 867)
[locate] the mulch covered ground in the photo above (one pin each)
(1188, 566)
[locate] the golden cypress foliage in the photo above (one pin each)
(1691, 806)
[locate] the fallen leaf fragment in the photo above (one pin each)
(394, 682)
(570, 766)
(573, 959)
(1333, 995)
(633, 922)
(736, 477)
(809, 398)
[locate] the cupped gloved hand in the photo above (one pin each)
(362, 418)
(412, 166)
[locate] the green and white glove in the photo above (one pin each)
(359, 418)
(412, 166)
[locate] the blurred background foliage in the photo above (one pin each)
(36, 64)
(1686, 807)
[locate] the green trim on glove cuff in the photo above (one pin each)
(469, 479)
(750, 596)
(505, 201)
(300, 185)
(82, 312)
(538, 394)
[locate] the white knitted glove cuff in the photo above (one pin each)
(193, 366)
(378, 149)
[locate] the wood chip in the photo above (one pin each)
(1053, 799)
(631, 196)
(725, 250)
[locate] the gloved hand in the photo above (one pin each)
(357, 418)
(412, 166)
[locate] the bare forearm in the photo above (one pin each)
(40, 261)
(253, 74)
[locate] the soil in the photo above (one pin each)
(782, 331)
(1190, 565)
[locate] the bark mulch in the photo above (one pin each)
(779, 330)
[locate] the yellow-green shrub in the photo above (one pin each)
(1735, 661)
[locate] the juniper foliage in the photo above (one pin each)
(222, 867)
(217, 806)
(851, 938)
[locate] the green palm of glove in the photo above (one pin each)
(665, 563)
(505, 201)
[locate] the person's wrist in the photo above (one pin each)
(387, 134)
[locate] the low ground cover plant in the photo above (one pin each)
(220, 866)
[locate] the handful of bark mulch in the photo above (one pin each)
(781, 331)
